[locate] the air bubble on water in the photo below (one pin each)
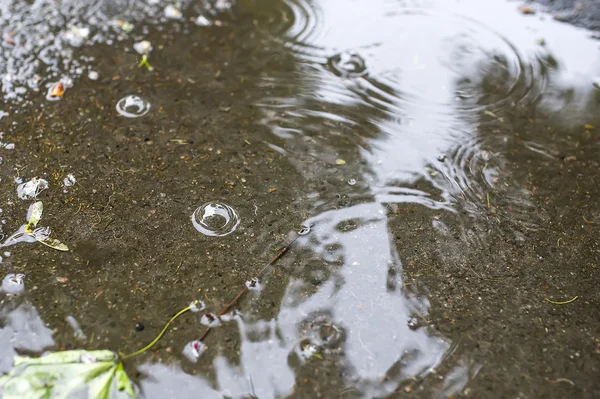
(210, 319)
(215, 219)
(93, 75)
(351, 182)
(253, 284)
(132, 106)
(347, 64)
(32, 188)
(193, 350)
(13, 283)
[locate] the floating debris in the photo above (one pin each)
(215, 219)
(562, 303)
(210, 319)
(9, 146)
(145, 63)
(69, 180)
(28, 233)
(172, 12)
(526, 10)
(132, 106)
(32, 188)
(72, 373)
(13, 283)
(253, 284)
(193, 350)
(143, 47)
(55, 91)
(197, 306)
(340, 162)
(309, 351)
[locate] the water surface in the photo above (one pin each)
(445, 155)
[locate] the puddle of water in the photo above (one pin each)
(380, 108)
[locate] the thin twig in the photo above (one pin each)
(281, 252)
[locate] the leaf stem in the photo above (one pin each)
(158, 337)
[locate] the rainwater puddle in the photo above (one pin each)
(392, 142)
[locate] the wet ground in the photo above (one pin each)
(447, 156)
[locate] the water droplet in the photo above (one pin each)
(13, 283)
(215, 219)
(133, 106)
(351, 182)
(348, 64)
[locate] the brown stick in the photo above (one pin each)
(243, 291)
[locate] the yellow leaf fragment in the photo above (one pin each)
(53, 243)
